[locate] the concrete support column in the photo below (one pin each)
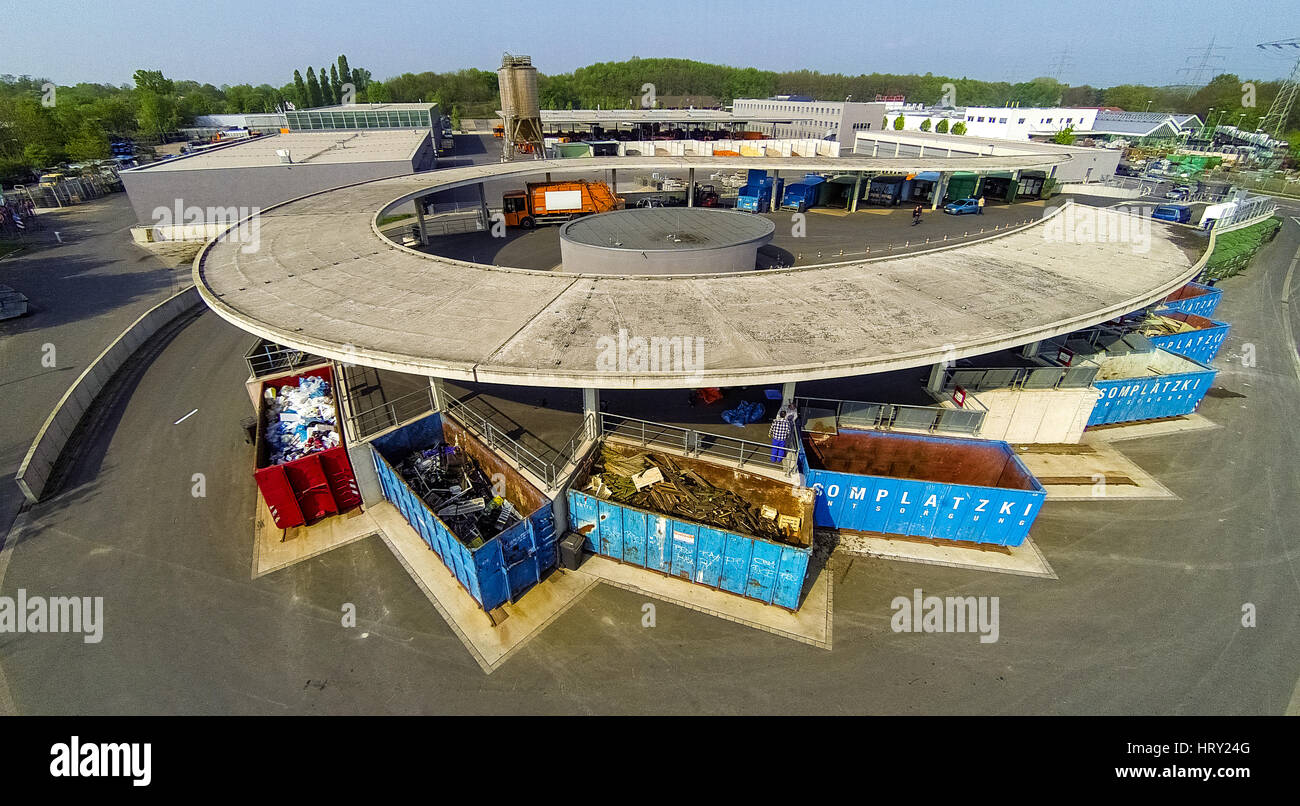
(438, 392)
(613, 180)
(935, 384)
(419, 218)
(775, 201)
(590, 402)
(922, 151)
(1031, 349)
(857, 190)
(875, 148)
(548, 176)
(787, 393)
(897, 147)
(483, 206)
(940, 188)
(690, 188)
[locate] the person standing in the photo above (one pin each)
(916, 215)
(980, 204)
(780, 433)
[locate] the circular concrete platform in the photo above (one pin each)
(663, 240)
(318, 276)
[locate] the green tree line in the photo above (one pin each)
(40, 128)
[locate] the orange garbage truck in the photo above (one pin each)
(556, 202)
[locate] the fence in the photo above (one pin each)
(976, 379)
(268, 358)
(862, 415)
(549, 468)
(392, 413)
(696, 443)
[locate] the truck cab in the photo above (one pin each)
(514, 207)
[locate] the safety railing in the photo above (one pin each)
(982, 379)
(733, 450)
(863, 415)
(268, 358)
(392, 413)
(549, 468)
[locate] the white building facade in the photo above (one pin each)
(812, 119)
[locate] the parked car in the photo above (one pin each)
(962, 207)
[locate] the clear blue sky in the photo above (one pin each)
(257, 41)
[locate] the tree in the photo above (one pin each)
(345, 75)
(313, 89)
(959, 127)
(90, 143)
(942, 128)
(1065, 136)
(377, 92)
(157, 113)
(884, 122)
(455, 116)
(925, 125)
(899, 123)
(326, 91)
(301, 98)
(153, 81)
(335, 86)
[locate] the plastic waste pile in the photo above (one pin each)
(300, 420)
(453, 485)
(747, 412)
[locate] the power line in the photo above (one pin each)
(1280, 110)
(1200, 63)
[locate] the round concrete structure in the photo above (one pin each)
(664, 240)
(320, 277)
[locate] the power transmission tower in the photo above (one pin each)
(1062, 63)
(1280, 111)
(1205, 60)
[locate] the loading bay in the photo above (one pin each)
(1144, 615)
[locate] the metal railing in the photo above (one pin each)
(549, 468)
(858, 414)
(268, 358)
(698, 443)
(392, 413)
(982, 379)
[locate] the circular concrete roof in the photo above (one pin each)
(317, 275)
(673, 229)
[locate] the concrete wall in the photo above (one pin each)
(260, 187)
(1023, 416)
(34, 472)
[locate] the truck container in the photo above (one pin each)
(309, 488)
(1175, 213)
(961, 185)
(495, 571)
(1147, 386)
(1201, 300)
(939, 488)
(1199, 338)
(726, 560)
(802, 194)
(556, 202)
(757, 197)
(886, 190)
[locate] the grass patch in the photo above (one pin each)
(392, 219)
(1234, 250)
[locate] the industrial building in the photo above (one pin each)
(810, 118)
(260, 172)
(1081, 164)
(425, 117)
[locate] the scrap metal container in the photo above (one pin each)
(504, 567)
(940, 488)
(1201, 300)
(1148, 386)
(309, 488)
(1200, 344)
(744, 564)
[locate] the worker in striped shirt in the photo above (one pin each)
(780, 433)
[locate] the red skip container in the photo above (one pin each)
(310, 488)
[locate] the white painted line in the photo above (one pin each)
(186, 417)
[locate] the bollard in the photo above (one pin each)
(927, 241)
(841, 251)
(966, 233)
(906, 244)
(868, 251)
(890, 248)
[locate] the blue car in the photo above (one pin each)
(962, 207)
